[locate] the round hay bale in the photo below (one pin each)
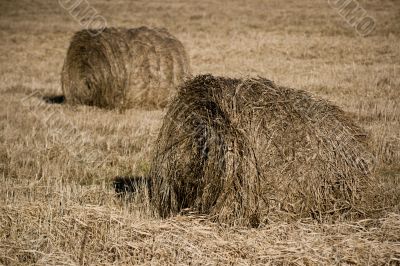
(123, 68)
(245, 151)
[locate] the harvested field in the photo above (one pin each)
(124, 68)
(57, 161)
(112, 236)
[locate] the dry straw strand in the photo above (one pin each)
(248, 150)
(124, 68)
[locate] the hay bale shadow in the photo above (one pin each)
(54, 99)
(125, 185)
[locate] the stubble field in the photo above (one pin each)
(57, 204)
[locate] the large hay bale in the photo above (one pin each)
(123, 68)
(245, 151)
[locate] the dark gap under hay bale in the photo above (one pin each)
(124, 185)
(54, 99)
(123, 68)
(245, 151)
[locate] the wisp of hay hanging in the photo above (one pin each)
(245, 151)
(123, 68)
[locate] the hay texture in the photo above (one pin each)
(123, 68)
(245, 151)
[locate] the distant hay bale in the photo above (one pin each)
(245, 151)
(123, 68)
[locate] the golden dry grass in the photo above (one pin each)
(56, 161)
